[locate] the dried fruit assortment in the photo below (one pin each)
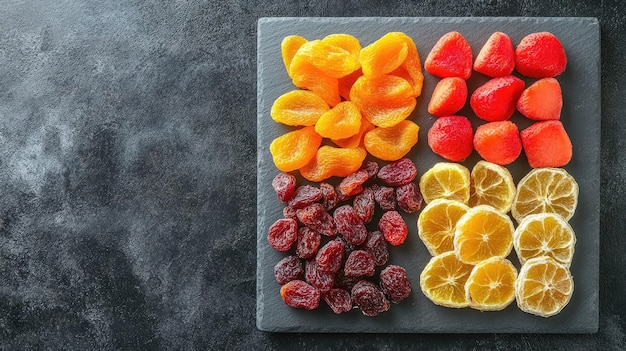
(356, 98)
(338, 242)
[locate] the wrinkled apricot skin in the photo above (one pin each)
(333, 162)
(295, 149)
(288, 47)
(385, 100)
(342, 121)
(384, 55)
(391, 144)
(345, 41)
(357, 139)
(331, 59)
(306, 76)
(298, 108)
(411, 68)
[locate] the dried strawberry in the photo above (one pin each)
(497, 56)
(451, 138)
(448, 97)
(450, 57)
(540, 55)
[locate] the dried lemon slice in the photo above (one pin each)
(543, 287)
(446, 180)
(492, 185)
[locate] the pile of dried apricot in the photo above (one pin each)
(357, 98)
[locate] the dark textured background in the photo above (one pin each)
(128, 175)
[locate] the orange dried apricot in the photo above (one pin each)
(384, 55)
(295, 149)
(342, 121)
(333, 60)
(288, 47)
(384, 100)
(333, 162)
(306, 76)
(411, 68)
(357, 139)
(298, 108)
(393, 143)
(345, 83)
(346, 42)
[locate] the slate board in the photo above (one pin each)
(580, 116)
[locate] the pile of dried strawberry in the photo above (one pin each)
(337, 238)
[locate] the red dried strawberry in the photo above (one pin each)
(498, 142)
(540, 55)
(496, 99)
(451, 138)
(542, 100)
(547, 144)
(497, 56)
(448, 97)
(450, 57)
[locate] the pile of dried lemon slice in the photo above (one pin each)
(467, 229)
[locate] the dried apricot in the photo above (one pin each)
(299, 108)
(288, 47)
(342, 121)
(384, 55)
(345, 83)
(295, 149)
(331, 161)
(393, 143)
(345, 41)
(333, 60)
(306, 76)
(384, 100)
(357, 139)
(411, 68)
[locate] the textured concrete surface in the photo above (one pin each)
(128, 175)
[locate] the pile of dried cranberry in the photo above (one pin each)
(333, 253)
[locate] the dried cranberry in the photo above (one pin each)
(299, 294)
(339, 300)
(409, 197)
(329, 196)
(398, 172)
(304, 196)
(376, 246)
(290, 213)
(282, 234)
(385, 197)
(350, 225)
(284, 184)
(308, 242)
(394, 283)
(360, 263)
(324, 281)
(329, 258)
(371, 168)
(369, 298)
(353, 183)
(315, 217)
(288, 269)
(393, 227)
(345, 282)
(364, 204)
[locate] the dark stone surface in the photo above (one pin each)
(128, 175)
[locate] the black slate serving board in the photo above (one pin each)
(580, 115)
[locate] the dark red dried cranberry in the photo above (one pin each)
(315, 217)
(284, 184)
(385, 197)
(369, 298)
(353, 183)
(299, 294)
(288, 269)
(345, 282)
(376, 246)
(398, 172)
(290, 213)
(364, 204)
(329, 257)
(371, 168)
(350, 225)
(409, 197)
(360, 263)
(329, 196)
(324, 281)
(304, 196)
(282, 234)
(394, 283)
(308, 242)
(393, 227)
(339, 300)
